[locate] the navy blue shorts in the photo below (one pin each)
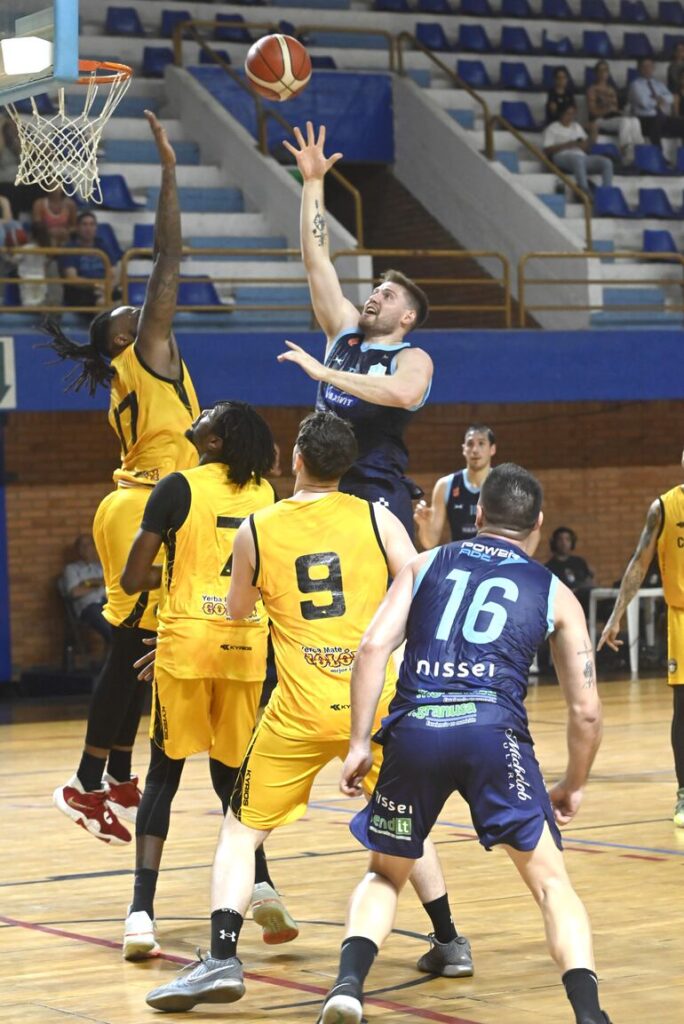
(392, 492)
(492, 767)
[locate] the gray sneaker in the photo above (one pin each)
(450, 959)
(206, 981)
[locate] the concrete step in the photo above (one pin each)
(144, 176)
(192, 223)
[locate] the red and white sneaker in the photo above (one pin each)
(91, 812)
(123, 798)
(269, 911)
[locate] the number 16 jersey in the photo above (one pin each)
(322, 572)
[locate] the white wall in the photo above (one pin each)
(480, 203)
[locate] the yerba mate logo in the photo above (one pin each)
(516, 772)
(336, 659)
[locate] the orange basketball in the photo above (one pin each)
(278, 67)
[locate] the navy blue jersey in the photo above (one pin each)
(461, 499)
(480, 609)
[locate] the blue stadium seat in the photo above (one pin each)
(557, 9)
(636, 45)
(515, 39)
(231, 35)
(199, 291)
(679, 162)
(670, 12)
(476, 8)
(519, 115)
(323, 63)
(466, 118)
(474, 74)
(654, 202)
(670, 42)
(610, 202)
(595, 10)
(110, 242)
(509, 159)
(557, 47)
(143, 236)
(273, 242)
(432, 35)
(144, 151)
(473, 39)
(169, 20)
(43, 103)
(206, 58)
(516, 9)
(514, 75)
(633, 12)
(123, 21)
(608, 149)
(658, 241)
(548, 72)
(434, 7)
(116, 195)
(155, 59)
(556, 203)
(650, 160)
(393, 6)
(597, 44)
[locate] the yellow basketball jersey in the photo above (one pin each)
(322, 573)
(150, 415)
(195, 638)
(671, 547)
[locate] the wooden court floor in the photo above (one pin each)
(64, 894)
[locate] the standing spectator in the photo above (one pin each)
(84, 586)
(605, 115)
(82, 269)
(568, 567)
(651, 102)
(675, 68)
(58, 214)
(678, 96)
(560, 96)
(566, 142)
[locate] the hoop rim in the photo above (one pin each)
(91, 67)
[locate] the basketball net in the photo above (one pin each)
(59, 150)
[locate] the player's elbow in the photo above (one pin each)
(373, 648)
(238, 607)
(130, 583)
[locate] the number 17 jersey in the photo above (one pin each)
(322, 573)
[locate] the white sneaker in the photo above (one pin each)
(140, 937)
(269, 911)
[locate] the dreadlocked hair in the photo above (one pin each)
(94, 369)
(248, 448)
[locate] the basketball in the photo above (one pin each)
(278, 67)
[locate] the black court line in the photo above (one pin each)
(368, 995)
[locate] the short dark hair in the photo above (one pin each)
(327, 445)
(82, 214)
(553, 541)
(419, 300)
(480, 428)
(511, 498)
(642, 60)
(248, 448)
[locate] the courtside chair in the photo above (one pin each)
(636, 45)
(514, 75)
(515, 39)
(597, 44)
(649, 159)
(658, 241)
(654, 203)
(595, 10)
(670, 12)
(633, 12)
(473, 39)
(474, 74)
(123, 21)
(610, 202)
(432, 35)
(557, 9)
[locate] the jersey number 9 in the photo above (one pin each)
(330, 583)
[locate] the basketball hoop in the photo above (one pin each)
(59, 150)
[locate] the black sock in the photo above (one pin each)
(119, 764)
(356, 958)
(439, 913)
(581, 987)
(144, 888)
(225, 932)
(261, 867)
(90, 771)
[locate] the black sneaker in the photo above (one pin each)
(343, 1003)
(448, 959)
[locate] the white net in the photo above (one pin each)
(59, 150)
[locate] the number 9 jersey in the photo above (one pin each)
(322, 572)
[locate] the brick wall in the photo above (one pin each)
(600, 465)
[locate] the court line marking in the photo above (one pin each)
(386, 1004)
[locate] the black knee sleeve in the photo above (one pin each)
(118, 695)
(161, 785)
(678, 733)
(223, 780)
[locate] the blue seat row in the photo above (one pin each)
(596, 43)
(515, 75)
(609, 201)
(631, 12)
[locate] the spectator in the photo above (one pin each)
(560, 96)
(565, 142)
(605, 115)
(651, 102)
(570, 568)
(81, 269)
(58, 214)
(84, 586)
(678, 96)
(675, 68)
(35, 268)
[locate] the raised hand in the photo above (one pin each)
(166, 153)
(312, 367)
(311, 160)
(422, 512)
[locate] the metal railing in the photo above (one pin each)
(13, 255)
(525, 282)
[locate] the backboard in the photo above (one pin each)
(38, 46)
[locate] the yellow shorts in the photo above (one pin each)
(190, 716)
(116, 523)
(675, 646)
(277, 774)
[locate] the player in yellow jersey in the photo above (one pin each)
(152, 404)
(320, 562)
(663, 533)
(208, 673)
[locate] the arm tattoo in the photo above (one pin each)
(635, 572)
(588, 670)
(319, 227)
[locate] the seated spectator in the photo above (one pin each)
(56, 213)
(84, 586)
(560, 96)
(605, 114)
(566, 143)
(651, 102)
(80, 269)
(678, 96)
(34, 270)
(675, 68)
(568, 567)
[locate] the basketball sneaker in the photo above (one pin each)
(140, 937)
(90, 811)
(269, 911)
(123, 798)
(343, 1003)
(678, 817)
(449, 959)
(206, 981)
